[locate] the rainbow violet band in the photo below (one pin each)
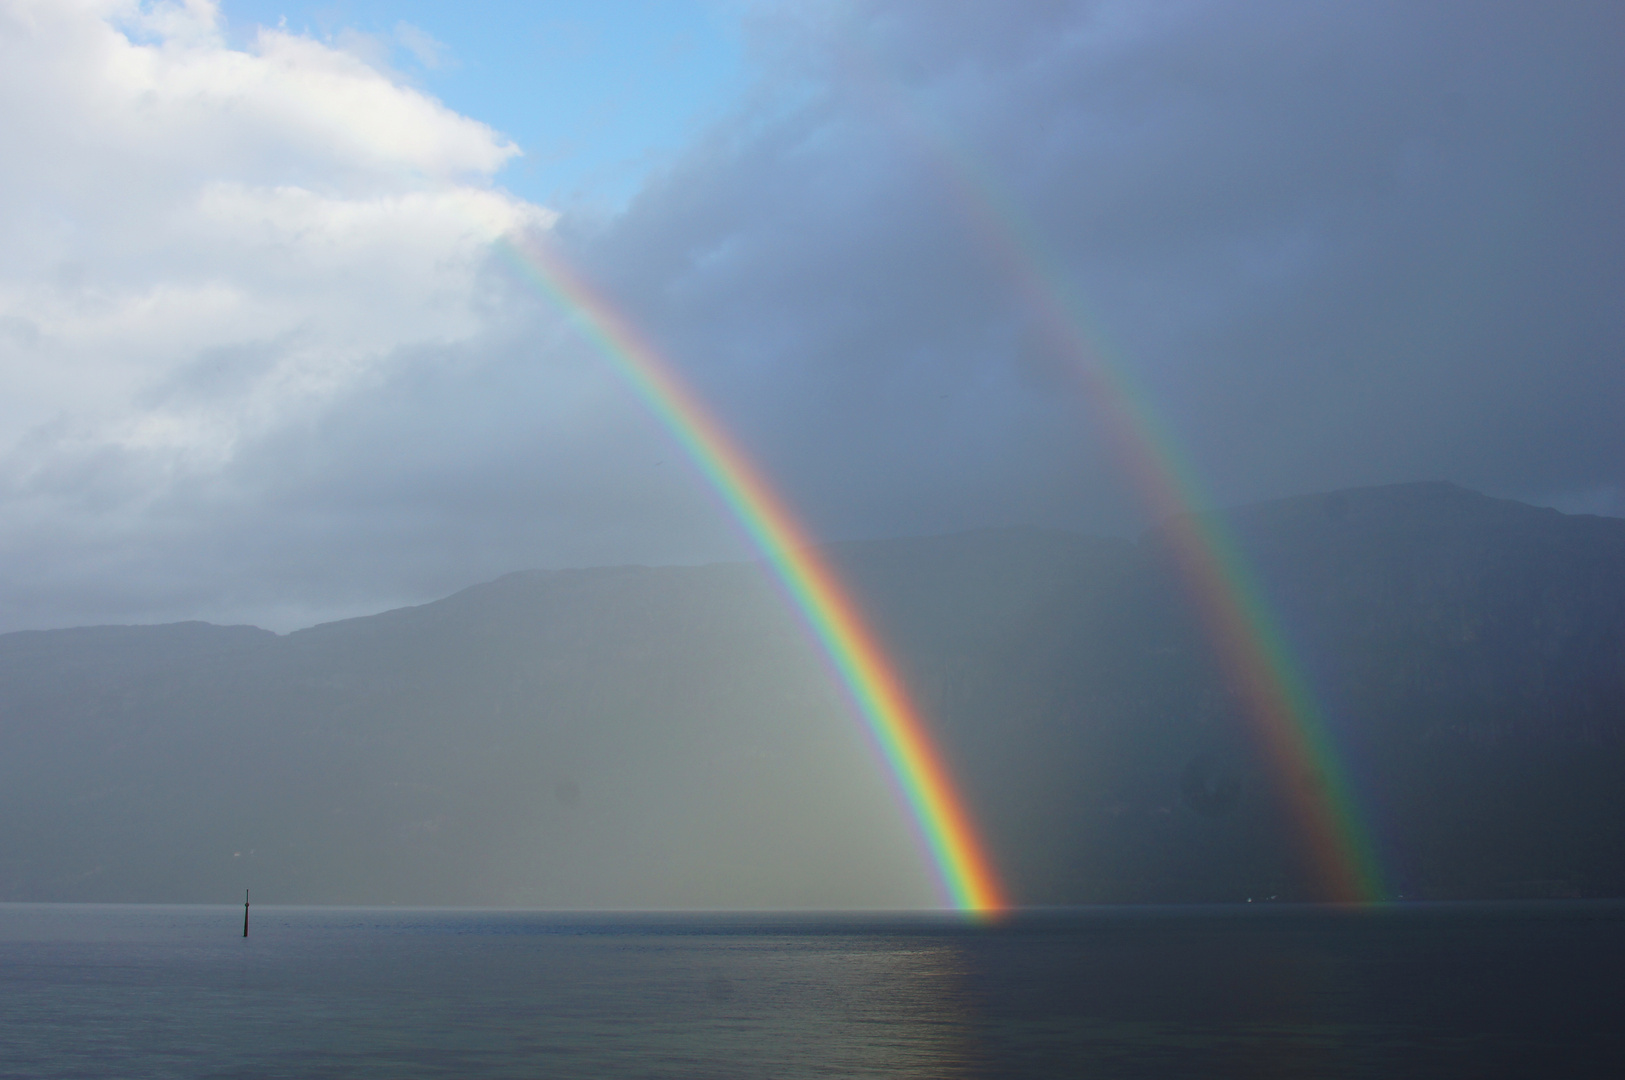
(943, 822)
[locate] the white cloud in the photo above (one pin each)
(205, 244)
(422, 45)
(171, 196)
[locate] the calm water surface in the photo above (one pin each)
(1427, 990)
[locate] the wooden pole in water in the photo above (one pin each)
(245, 913)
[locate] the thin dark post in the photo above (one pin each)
(245, 913)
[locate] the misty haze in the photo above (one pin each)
(867, 537)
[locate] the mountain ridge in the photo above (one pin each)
(666, 736)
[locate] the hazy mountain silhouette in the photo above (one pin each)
(1468, 652)
(666, 737)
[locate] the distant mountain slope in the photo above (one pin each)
(667, 737)
(1469, 654)
(623, 737)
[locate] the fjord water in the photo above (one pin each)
(1419, 990)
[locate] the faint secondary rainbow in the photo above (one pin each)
(965, 872)
(1245, 634)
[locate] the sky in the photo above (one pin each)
(596, 94)
(261, 360)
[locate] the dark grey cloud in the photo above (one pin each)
(1335, 244)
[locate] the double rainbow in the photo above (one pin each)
(966, 875)
(1246, 635)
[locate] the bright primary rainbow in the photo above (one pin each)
(1245, 634)
(964, 870)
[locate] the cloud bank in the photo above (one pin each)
(259, 361)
